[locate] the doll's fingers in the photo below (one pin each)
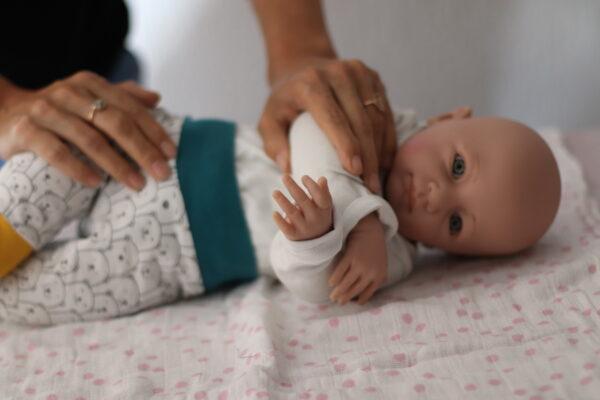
(346, 283)
(338, 273)
(291, 211)
(297, 193)
(367, 293)
(284, 226)
(357, 288)
(319, 194)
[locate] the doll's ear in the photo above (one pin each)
(457, 113)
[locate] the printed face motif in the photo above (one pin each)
(19, 186)
(26, 214)
(148, 276)
(146, 195)
(22, 161)
(104, 307)
(92, 267)
(28, 274)
(169, 252)
(79, 298)
(122, 214)
(32, 314)
(170, 205)
(53, 209)
(49, 291)
(122, 257)
(146, 232)
(52, 180)
(65, 260)
(9, 292)
(125, 291)
(79, 202)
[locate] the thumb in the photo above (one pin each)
(275, 142)
(149, 98)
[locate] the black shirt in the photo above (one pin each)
(41, 41)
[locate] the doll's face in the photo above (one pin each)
(478, 186)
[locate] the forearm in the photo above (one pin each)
(293, 31)
(8, 92)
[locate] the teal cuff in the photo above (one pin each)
(206, 171)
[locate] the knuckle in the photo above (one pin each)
(63, 92)
(83, 76)
(93, 141)
(24, 125)
(58, 152)
(41, 107)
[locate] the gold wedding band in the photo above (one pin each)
(377, 101)
(97, 105)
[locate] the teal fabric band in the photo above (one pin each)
(206, 170)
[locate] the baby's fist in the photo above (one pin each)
(309, 217)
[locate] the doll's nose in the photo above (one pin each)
(433, 197)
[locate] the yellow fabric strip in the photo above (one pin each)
(13, 248)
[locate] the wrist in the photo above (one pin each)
(370, 222)
(10, 93)
(288, 59)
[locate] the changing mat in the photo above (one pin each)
(519, 327)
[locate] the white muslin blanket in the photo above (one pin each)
(521, 327)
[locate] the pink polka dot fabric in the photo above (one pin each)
(521, 327)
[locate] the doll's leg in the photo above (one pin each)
(38, 200)
(84, 279)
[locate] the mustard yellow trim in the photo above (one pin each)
(13, 248)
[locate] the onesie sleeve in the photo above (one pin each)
(304, 267)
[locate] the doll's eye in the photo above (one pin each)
(458, 166)
(455, 224)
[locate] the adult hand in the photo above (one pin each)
(334, 92)
(42, 121)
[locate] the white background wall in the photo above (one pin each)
(533, 60)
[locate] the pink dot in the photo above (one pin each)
(223, 395)
(348, 383)
(589, 366)
(545, 388)
(585, 380)
(322, 396)
(477, 315)
(157, 390)
(88, 375)
(464, 300)
(494, 382)
(339, 367)
(407, 318)
(517, 307)
(400, 357)
(370, 389)
(520, 392)
(428, 375)
(519, 320)
(463, 329)
(30, 391)
(492, 358)
(592, 269)
(78, 331)
(99, 382)
(420, 327)
(419, 388)
(181, 384)
(200, 395)
(547, 311)
(530, 352)
(536, 397)
(52, 397)
(293, 343)
(517, 338)
(351, 339)
(461, 312)
(470, 387)
(556, 375)
(334, 322)
(143, 367)
(262, 394)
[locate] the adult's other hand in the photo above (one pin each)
(45, 120)
(334, 91)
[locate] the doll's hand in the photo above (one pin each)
(363, 267)
(310, 217)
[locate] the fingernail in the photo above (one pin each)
(374, 183)
(93, 181)
(161, 170)
(356, 164)
(136, 180)
(281, 160)
(169, 149)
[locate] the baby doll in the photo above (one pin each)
(473, 186)
(209, 225)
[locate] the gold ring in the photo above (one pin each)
(377, 101)
(97, 105)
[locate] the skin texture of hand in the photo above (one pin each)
(43, 120)
(362, 269)
(310, 217)
(306, 75)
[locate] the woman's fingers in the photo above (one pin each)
(148, 97)
(347, 86)
(85, 137)
(50, 148)
(275, 138)
(136, 114)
